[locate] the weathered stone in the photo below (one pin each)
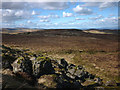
(70, 66)
(70, 76)
(78, 73)
(111, 83)
(6, 65)
(80, 67)
(91, 76)
(47, 68)
(33, 58)
(98, 80)
(23, 65)
(71, 71)
(54, 64)
(42, 67)
(63, 63)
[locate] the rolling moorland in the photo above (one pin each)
(96, 50)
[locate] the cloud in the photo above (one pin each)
(34, 13)
(95, 18)
(107, 5)
(28, 5)
(91, 4)
(82, 10)
(67, 14)
(44, 17)
(48, 16)
(100, 5)
(106, 22)
(14, 5)
(109, 20)
(9, 15)
(79, 18)
(44, 20)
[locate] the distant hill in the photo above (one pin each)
(57, 31)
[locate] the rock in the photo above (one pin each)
(33, 58)
(99, 81)
(7, 60)
(54, 64)
(80, 67)
(63, 63)
(22, 64)
(79, 73)
(6, 65)
(47, 68)
(111, 83)
(71, 69)
(70, 75)
(92, 76)
(70, 66)
(42, 66)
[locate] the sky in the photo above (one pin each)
(54, 15)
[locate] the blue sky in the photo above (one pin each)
(79, 15)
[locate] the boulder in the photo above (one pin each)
(22, 64)
(63, 63)
(42, 65)
(71, 69)
(7, 59)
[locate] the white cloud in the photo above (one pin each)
(44, 17)
(48, 16)
(106, 22)
(67, 14)
(33, 12)
(109, 20)
(82, 10)
(19, 13)
(79, 18)
(29, 21)
(9, 15)
(44, 20)
(95, 18)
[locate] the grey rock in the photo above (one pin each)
(111, 83)
(99, 81)
(79, 73)
(71, 71)
(23, 65)
(42, 67)
(33, 58)
(70, 66)
(70, 76)
(63, 63)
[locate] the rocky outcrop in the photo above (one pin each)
(41, 66)
(48, 72)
